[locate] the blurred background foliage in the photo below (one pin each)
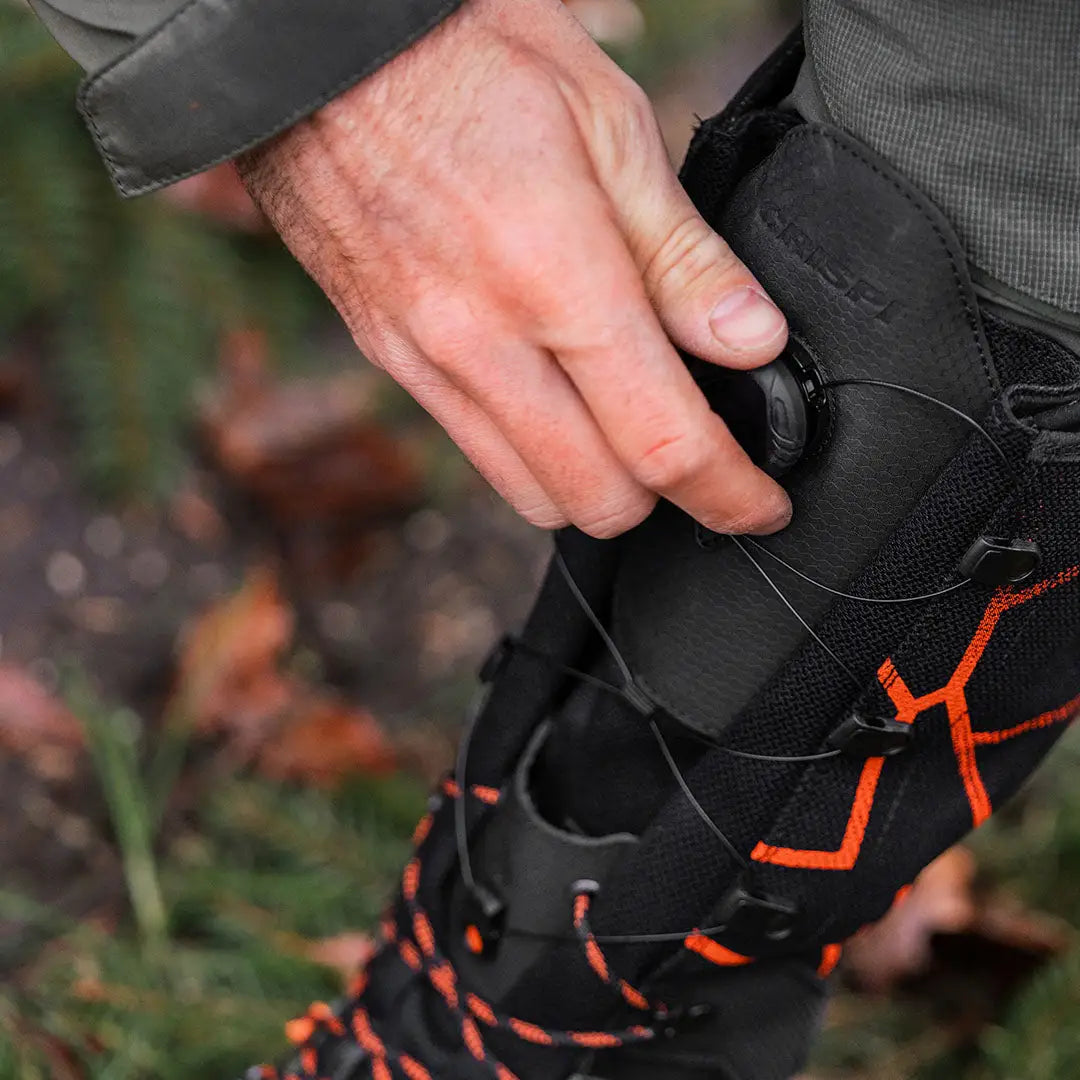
(194, 845)
(134, 297)
(131, 299)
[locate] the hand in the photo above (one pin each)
(495, 217)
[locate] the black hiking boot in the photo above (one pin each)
(708, 761)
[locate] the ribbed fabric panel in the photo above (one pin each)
(978, 103)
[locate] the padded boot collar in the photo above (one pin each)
(531, 867)
(875, 286)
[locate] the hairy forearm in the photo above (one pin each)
(495, 216)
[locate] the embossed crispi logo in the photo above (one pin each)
(830, 267)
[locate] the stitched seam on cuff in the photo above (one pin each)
(150, 183)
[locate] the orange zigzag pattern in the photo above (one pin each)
(953, 695)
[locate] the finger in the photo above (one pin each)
(538, 411)
(707, 300)
(642, 397)
(483, 444)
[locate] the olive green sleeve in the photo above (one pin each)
(175, 86)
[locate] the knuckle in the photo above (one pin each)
(673, 461)
(607, 525)
(525, 79)
(526, 258)
(628, 122)
(689, 253)
(541, 286)
(448, 331)
(544, 516)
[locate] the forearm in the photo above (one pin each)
(977, 102)
(178, 85)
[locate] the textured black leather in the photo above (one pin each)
(531, 866)
(762, 1015)
(219, 76)
(874, 282)
(875, 285)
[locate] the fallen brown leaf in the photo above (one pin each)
(309, 453)
(324, 742)
(966, 948)
(228, 677)
(308, 446)
(37, 726)
(230, 683)
(899, 945)
(347, 954)
(1005, 920)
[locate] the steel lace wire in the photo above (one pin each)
(915, 599)
(744, 543)
(795, 611)
(930, 400)
(631, 692)
(749, 540)
(688, 732)
(598, 626)
(598, 683)
(692, 799)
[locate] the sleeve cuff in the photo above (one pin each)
(221, 76)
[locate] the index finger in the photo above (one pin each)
(645, 401)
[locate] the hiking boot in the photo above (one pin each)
(706, 761)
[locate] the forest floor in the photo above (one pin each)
(220, 718)
(220, 713)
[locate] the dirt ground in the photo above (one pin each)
(110, 590)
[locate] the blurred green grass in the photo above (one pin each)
(259, 878)
(679, 33)
(1031, 851)
(124, 304)
(263, 869)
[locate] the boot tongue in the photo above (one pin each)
(875, 287)
(591, 759)
(601, 772)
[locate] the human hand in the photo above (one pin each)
(495, 217)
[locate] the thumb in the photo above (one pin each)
(707, 300)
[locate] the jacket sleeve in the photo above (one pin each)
(175, 86)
